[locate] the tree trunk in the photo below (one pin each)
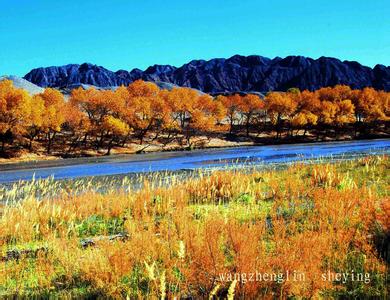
(32, 136)
(48, 149)
(73, 144)
(50, 139)
(278, 126)
(109, 146)
(141, 138)
(125, 140)
(85, 140)
(100, 141)
(247, 125)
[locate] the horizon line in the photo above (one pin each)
(197, 59)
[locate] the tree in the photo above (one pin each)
(203, 116)
(279, 106)
(345, 112)
(53, 115)
(232, 104)
(250, 104)
(116, 128)
(334, 94)
(341, 92)
(149, 109)
(36, 118)
(309, 101)
(181, 101)
(169, 122)
(304, 119)
(372, 105)
(328, 112)
(15, 112)
(97, 105)
(78, 123)
(383, 106)
(219, 112)
(307, 112)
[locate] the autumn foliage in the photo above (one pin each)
(142, 112)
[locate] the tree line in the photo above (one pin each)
(102, 119)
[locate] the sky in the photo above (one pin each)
(120, 34)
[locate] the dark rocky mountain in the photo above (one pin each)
(235, 74)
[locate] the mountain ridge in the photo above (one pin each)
(225, 75)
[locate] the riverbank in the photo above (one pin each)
(131, 148)
(202, 142)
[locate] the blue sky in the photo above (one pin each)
(121, 34)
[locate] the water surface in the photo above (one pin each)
(190, 160)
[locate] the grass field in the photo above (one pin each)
(225, 234)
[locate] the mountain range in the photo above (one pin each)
(235, 74)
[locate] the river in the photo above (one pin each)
(190, 160)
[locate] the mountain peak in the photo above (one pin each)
(237, 73)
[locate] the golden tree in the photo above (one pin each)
(307, 112)
(232, 104)
(250, 105)
(199, 114)
(345, 112)
(53, 115)
(78, 123)
(116, 128)
(181, 101)
(328, 112)
(148, 109)
(280, 107)
(97, 105)
(304, 119)
(15, 112)
(36, 118)
(372, 105)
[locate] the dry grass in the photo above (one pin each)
(308, 219)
